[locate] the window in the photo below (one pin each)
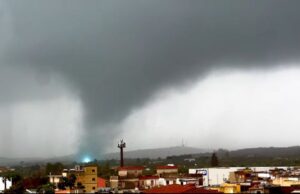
(93, 179)
(93, 170)
(93, 188)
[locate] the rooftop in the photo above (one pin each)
(179, 189)
(166, 167)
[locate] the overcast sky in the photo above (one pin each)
(76, 76)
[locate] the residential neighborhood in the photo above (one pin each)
(89, 177)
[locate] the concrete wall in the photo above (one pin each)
(166, 171)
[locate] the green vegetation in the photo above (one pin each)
(46, 189)
(214, 160)
(17, 181)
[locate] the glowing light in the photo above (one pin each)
(86, 159)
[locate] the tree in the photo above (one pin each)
(67, 182)
(55, 168)
(15, 188)
(72, 179)
(17, 181)
(104, 171)
(6, 176)
(214, 160)
(46, 189)
(80, 185)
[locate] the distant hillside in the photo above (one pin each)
(158, 152)
(267, 152)
(16, 161)
(241, 155)
(29, 161)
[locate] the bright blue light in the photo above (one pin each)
(86, 159)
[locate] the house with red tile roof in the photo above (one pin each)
(169, 169)
(168, 174)
(128, 176)
(130, 171)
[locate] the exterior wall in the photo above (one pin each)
(230, 188)
(88, 178)
(214, 176)
(286, 181)
(122, 173)
(8, 184)
(148, 183)
(166, 171)
(130, 173)
(55, 179)
(114, 182)
(127, 183)
(164, 182)
(101, 183)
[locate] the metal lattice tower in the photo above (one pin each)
(121, 145)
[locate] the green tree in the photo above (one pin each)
(214, 162)
(80, 186)
(17, 181)
(72, 179)
(55, 168)
(15, 188)
(104, 171)
(46, 189)
(6, 176)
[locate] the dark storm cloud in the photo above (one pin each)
(118, 53)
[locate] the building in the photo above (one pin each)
(5, 184)
(86, 176)
(114, 182)
(55, 179)
(286, 181)
(213, 176)
(128, 177)
(101, 183)
(221, 175)
(230, 188)
(148, 182)
(166, 170)
(130, 171)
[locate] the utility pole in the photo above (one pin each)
(121, 146)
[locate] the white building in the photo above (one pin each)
(2, 185)
(219, 175)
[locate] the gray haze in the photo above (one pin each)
(114, 55)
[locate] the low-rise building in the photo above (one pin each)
(5, 184)
(128, 177)
(230, 188)
(148, 182)
(86, 177)
(164, 170)
(286, 181)
(130, 171)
